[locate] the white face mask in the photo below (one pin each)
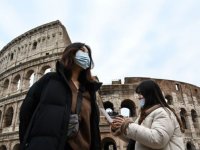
(142, 102)
(82, 59)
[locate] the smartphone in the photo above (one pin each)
(110, 120)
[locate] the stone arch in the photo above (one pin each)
(190, 146)
(11, 56)
(195, 119)
(45, 69)
(169, 99)
(5, 86)
(3, 147)
(16, 147)
(184, 119)
(34, 46)
(108, 144)
(129, 105)
(29, 78)
(109, 108)
(177, 87)
(16, 83)
(8, 117)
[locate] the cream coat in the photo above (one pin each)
(160, 130)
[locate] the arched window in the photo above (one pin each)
(32, 77)
(16, 147)
(8, 117)
(6, 83)
(125, 112)
(16, 83)
(183, 115)
(108, 144)
(128, 108)
(29, 78)
(34, 45)
(45, 69)
(169, 99)
(109, 108)
(11, 56)
(177, 87)
(190, 146)
(195, 119)
(5, 86)
(3, 147)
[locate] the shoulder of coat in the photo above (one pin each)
(164, 112)
(45, 78)
(161, 111)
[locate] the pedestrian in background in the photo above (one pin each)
(157, 127)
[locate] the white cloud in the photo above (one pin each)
(51, 10)
(17, 19)
(156, 38)
(11, 23)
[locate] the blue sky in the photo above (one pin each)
(129, 38)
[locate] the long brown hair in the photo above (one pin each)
(67, 60)
(152, 93)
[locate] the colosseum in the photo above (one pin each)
(29, 56)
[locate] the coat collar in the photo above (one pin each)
(60, 69)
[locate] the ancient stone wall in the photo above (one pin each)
(183, 97)
(22, 62)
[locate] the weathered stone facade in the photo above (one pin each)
(26, 58)
(23, 61)
(183, 97)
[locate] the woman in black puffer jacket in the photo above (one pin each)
(45, 112)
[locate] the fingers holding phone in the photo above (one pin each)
(117, 122)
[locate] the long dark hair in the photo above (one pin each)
(152, 93)
(67, 60)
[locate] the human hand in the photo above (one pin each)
(117, 122)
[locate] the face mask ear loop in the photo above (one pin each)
(142, 102)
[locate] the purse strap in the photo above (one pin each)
(79, 95)
(79, 101)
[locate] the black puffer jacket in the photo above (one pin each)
(44, 114)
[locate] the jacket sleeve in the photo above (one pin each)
(29, 104)
(158, 135)
(27, 108)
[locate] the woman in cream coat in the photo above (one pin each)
(157, 126)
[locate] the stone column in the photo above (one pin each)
(15, 114)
